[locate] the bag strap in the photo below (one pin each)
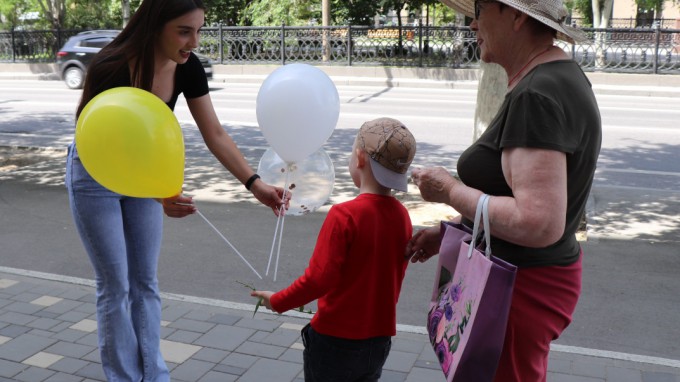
(481, 214)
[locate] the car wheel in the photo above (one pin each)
(74, 77)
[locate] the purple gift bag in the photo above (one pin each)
(470, 303)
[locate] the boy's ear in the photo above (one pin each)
(361, 158)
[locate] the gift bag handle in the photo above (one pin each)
(481, 215)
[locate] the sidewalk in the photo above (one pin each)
(48, 333)
(655, 85)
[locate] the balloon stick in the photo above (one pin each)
(280, 220)
(227, 241)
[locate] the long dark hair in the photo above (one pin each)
(135, 42)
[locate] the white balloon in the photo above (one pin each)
(297, 109)
(310, 180)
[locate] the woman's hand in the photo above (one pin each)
(270, 196)
(178, 206)
(434, 183)
(423, 245)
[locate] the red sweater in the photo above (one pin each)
(356, 269)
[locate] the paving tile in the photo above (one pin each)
(64, 306)
(210, 355)
(224, 319)
(172, 313)
(232, 370)
(589, 369)
(69, 365)
(224, 337)
(72, 315)
(76, 293)
(69, 349)
(63, 377)
(44, 314)
(43, 323)
(92, 371)
(648, 376)
(94, 356)
(424, 375)
(70, 335)
(400, 361)
(271, 370)
(392, 376)
(46, 300)
(177, 352)
(617, 374)
(559, 365)
(239, 360)
(434, 365)
(257, 324)
(292, 355)
(14, 331)
(6, 283)
(85, 325)
(408, 345)
(34, 374)
(22, 307)
(90, 339)
(191, 370)
(213, 376)
(192, 325)
(183, 336)
(24, 346)
(42, 359)
(16, 318)
(291, 326)
(554, 377)
(9, 369)
(4, 339)
(279, 337)
(25, 296)
(261, 350)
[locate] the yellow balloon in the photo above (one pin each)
(131, 143)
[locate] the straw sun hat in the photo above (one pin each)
(550, 12)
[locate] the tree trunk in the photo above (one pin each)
(325, 22)
(491, 90)
(126, 11)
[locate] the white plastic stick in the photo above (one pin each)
(227, 241)
(276, 230)
(278, 251)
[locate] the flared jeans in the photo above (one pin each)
(122, 236)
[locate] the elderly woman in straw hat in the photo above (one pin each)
(537, 159)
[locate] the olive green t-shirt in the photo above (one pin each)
(553, 107)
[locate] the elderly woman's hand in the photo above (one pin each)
(434, 183)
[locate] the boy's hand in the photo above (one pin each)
(265, 295)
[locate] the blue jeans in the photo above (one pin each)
(334, 359)
(122, 236)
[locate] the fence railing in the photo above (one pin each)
(636, 50)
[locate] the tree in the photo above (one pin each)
(602, 12)
(10, 10)
(54, 12)
(268, 13)
(354, 12)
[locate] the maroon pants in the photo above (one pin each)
(543, 300)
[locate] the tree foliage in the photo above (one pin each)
(268, 13)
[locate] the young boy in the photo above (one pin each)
(358, 264)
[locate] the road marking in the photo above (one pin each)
(402, 328)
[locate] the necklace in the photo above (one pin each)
(527, 64)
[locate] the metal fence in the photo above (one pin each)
(638, 50)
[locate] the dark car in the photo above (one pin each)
(74, 57)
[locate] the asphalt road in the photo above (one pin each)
(629, 303)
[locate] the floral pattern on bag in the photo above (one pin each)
(447, 321)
